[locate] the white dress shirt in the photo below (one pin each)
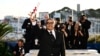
(53, 32)
(34, 23)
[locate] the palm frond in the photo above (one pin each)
(4, 30)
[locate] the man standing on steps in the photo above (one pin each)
(31, 32)
(51, 41)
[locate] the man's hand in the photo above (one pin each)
(80, 33)
(14, 52)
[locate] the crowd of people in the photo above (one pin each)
(52, 37)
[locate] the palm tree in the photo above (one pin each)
(4, 29)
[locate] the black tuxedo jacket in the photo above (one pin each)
(18, 51)
(31, 33)
(85, 27)
(43, 22)
(49, 47)
(27, 24)
(31, 30)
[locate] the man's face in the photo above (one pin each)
(46, 16)
(50, 25)
(20, 43)
(33, 17)
(84, 17)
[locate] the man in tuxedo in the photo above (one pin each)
(19, 48)
(51, 41)
(31, 33)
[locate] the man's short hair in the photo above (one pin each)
(20, 40)
(52, 20)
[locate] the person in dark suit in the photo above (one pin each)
(19, 48)
(57, 25)
(85, 27)
(43, 22)
(70, 30)
(65, 34)
(51, 41)
(31, 33)
(78, 36)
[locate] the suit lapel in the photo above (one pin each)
(57, 37)
(56, 34)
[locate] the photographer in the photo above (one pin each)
(57, 24)
(19, 48)
(70, 30)
(65, 35)
(78, 36)
(85, 27)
